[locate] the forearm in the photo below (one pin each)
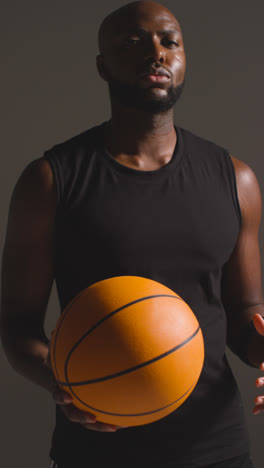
(27, 354)
(255, 349)
(242, 337)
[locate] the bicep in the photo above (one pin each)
(28, 256)
(241, 278)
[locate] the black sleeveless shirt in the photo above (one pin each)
(177, 225)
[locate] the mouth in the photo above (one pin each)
(155, 78)
(154, 75)
(156, 72)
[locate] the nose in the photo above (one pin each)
(154, 51)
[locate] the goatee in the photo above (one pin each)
(136, 97)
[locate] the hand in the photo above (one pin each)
(88, 420)
(259, 400)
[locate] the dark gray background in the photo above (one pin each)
(51, 91)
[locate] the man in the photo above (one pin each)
(140, 196)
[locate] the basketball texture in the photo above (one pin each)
(128, 349)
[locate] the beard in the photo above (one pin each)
(134, 96)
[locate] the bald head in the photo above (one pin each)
(135, 41)
(126, 15)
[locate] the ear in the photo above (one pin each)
(101, 67)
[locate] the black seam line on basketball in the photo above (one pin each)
(106, 318)
(132, 369)
(99, 323)
(139, 414)
(57, 331)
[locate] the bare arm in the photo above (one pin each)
(28, 272)
(27, 278)
(241, 283)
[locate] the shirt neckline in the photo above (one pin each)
(136, 173)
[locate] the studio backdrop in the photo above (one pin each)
(51, 91)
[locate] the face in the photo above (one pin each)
(143, 59)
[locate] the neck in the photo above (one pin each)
(141, 133)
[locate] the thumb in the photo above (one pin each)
(47, 360)
(60, 396)
(259, 324)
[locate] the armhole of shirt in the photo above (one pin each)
(51, 158)
(233, 185)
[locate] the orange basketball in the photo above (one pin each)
(128, 349)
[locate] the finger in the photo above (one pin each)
(99, 427)
(48, 360)
(60, 396)
(259, 400)
(259, 382)
(258, 409)
(259, 324)
(102, 427)
(76, 415)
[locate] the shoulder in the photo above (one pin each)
(248, 191)
(196, 143)
(76, 143)
(202, 149)
(34, 191)
(37, 176)
(245, 176)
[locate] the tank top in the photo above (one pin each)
(177, 225)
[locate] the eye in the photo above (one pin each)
(171, 43)
(131, 41)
